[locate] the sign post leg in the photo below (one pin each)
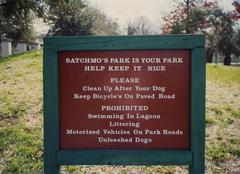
(197, 167)
(51, 169)
(51, 113)
(198, 111)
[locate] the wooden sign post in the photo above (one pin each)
(124, 100)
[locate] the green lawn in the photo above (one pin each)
(21, 142)
(21, 127)
(223, 74)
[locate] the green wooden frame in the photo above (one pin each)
(194, 157)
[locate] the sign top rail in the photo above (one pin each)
(124, 42)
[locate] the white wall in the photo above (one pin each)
(33, 46)
(6, 47)
(21, 47)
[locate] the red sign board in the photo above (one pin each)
(124, 99)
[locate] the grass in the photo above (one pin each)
(21, 149)
(21, 142)
(223, 119)
(224, 75)
(21, 126)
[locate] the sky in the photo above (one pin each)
(124, 11)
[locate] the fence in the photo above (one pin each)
(7, 49)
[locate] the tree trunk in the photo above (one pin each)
(227, 59)
(188, 8)
(209, 55)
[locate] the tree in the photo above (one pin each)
(140, 26)
(131, 30)
(102, 25)
(208, 21)
(190, 16)
(236, 3)
(206, 18)
(226, 38)
(181, 13)
(188, 4)
(236, 13)
(70, 18)
(200, 18)
(16, 18)
(237, 38)
(75, 18)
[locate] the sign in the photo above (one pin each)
(115, 100)
(124, 99)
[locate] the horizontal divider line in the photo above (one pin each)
(124, 157)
